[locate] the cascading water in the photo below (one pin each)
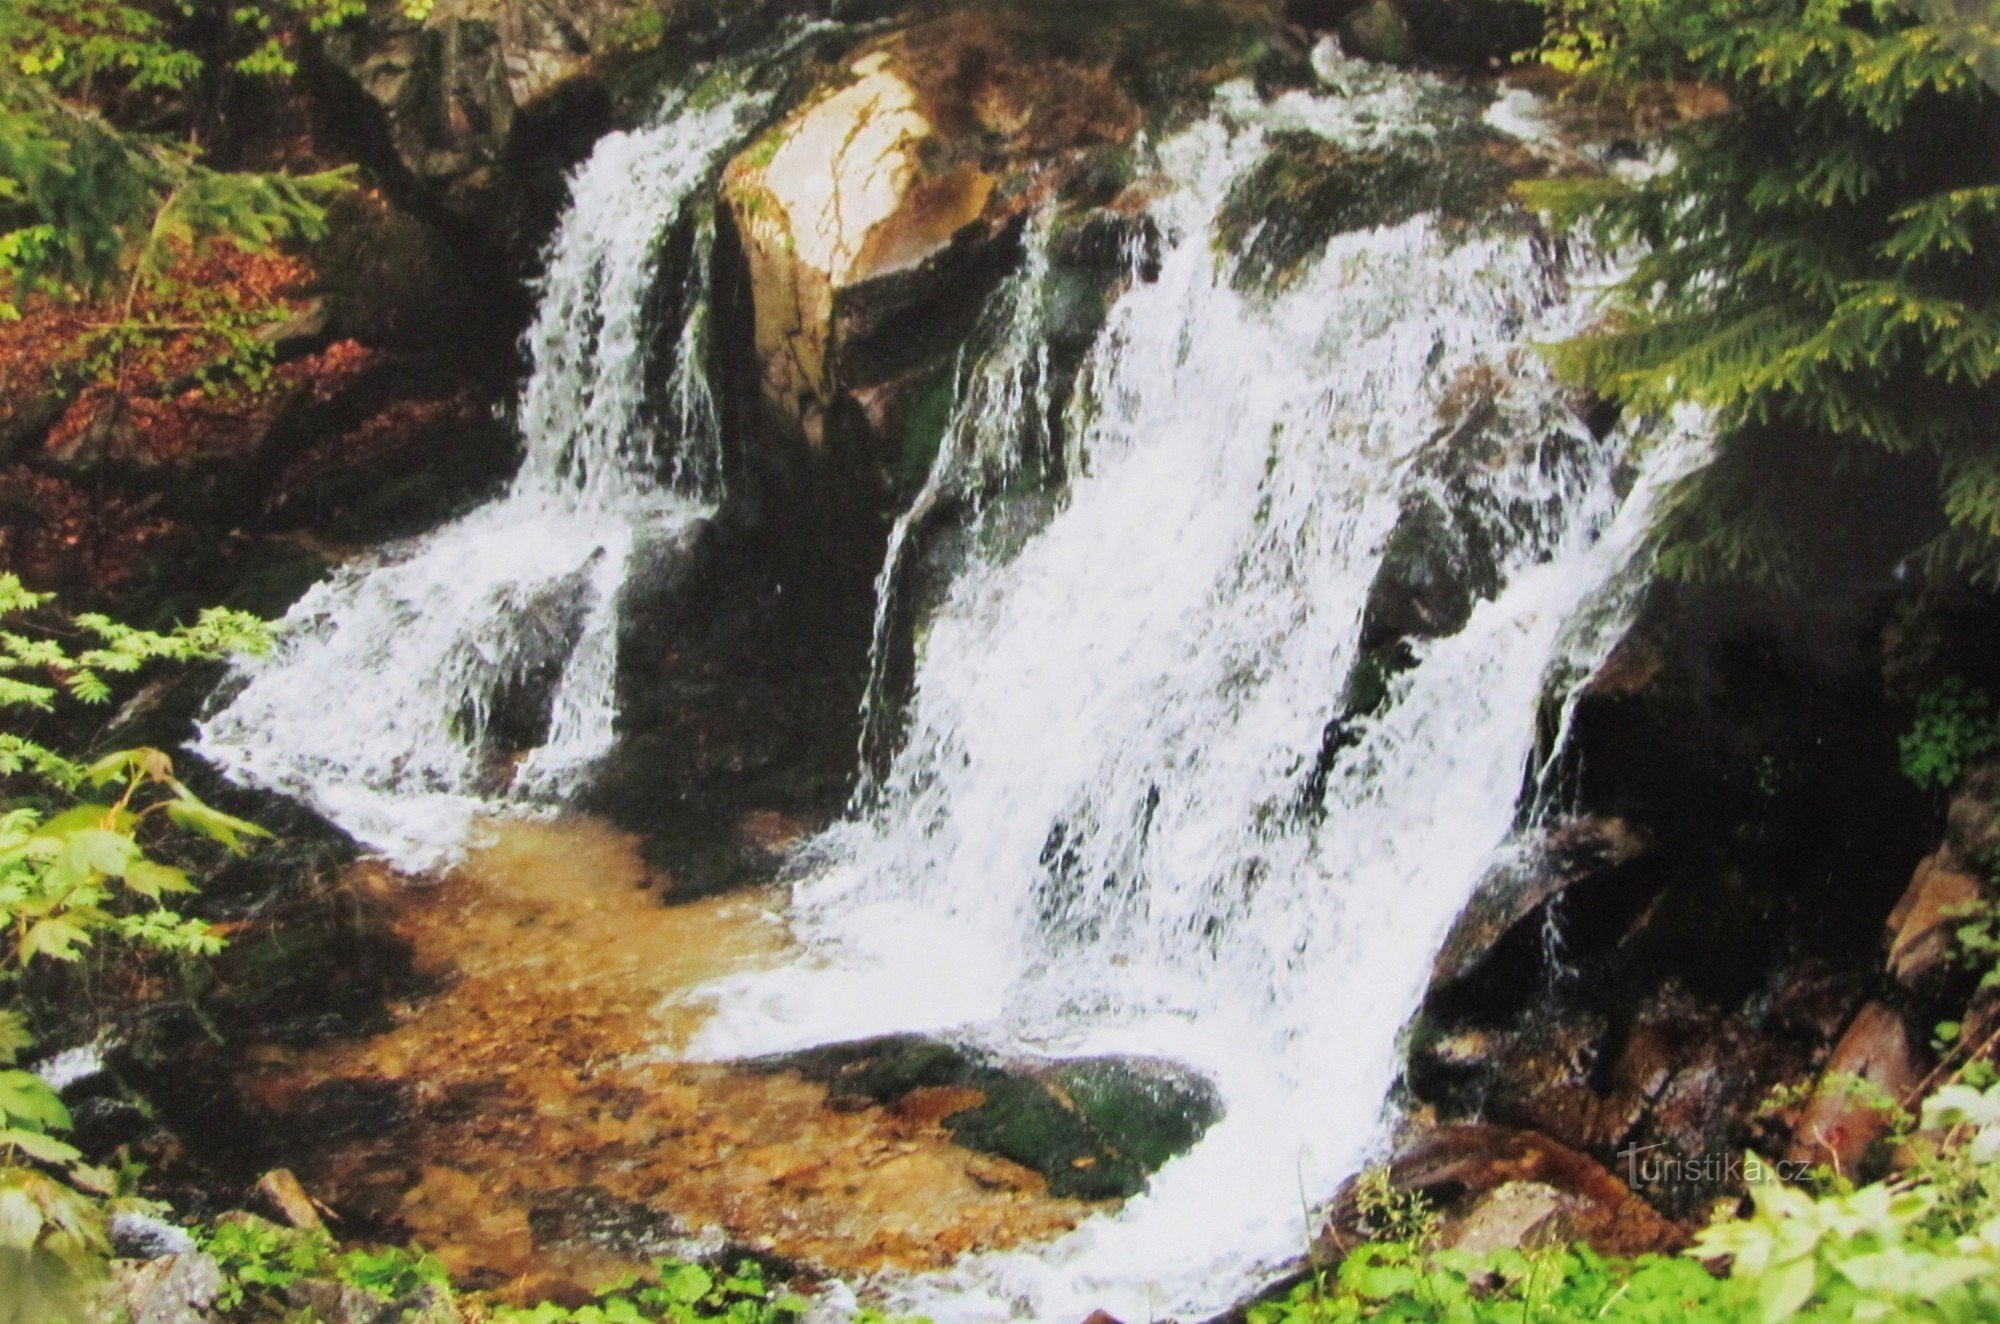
(1116, 826)
(380, 707)
(999, 425)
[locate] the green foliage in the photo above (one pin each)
(1953, 726)
(260, 1260)
(1924, 1246)
(1816, 265)
(74, 871)
(86, 203)
(1404, 1281)
(680, 1293)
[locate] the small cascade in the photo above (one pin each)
(1116, 823)
(1000, 425)
(403, 681)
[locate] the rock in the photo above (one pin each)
(1095, 1128)
(1305, 190)
(178, 1289)
(387, 278)
(327, 1301)
(1459, 32)
(1519, 1215)
(1456, 1168)
(874, 219)
(589, 1217)
(1973, 821)
(141, 1236)
(1569, 854)
(281, 1192)
(1874, 1067)
(1472, 32)
(835, 196)
(1378, 31)
(1922, 941)
(449, 87)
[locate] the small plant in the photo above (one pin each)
(1391, 1213)
(259, 1258)
(682, 1293)
(75, 871)
(1954, 726)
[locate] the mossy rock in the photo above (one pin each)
(1095, 1128)
(1378, 31)
(1306, 190)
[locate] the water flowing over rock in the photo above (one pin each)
(478, 662)
(1109, 830)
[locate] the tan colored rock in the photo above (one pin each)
(1921, 943)
(837, 195)
(281, 1191)
(1518, 1215)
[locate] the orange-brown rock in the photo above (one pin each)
(1875, 1062)
(1921, 941)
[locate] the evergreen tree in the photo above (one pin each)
(89, 199)
(1818, 265)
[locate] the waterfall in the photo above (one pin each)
(1114, 823)
(999, 426)
(401, 680)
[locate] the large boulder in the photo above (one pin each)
(872, 219)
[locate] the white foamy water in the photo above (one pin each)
(379, 707)
(1098, 835)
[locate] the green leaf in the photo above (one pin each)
(190, 813)
(26, 1100)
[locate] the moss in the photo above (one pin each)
(1307, 190)
(926, 418)
(1378, 31)
(1147, 1115)
(1094, 1129)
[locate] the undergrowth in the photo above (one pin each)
(1923, 1246)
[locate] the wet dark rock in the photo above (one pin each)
(355, 1108)
(1094, 1128)
(740, 679)
(390, 279)
(105, 1122)
(1378, 31)
(1568, 854)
